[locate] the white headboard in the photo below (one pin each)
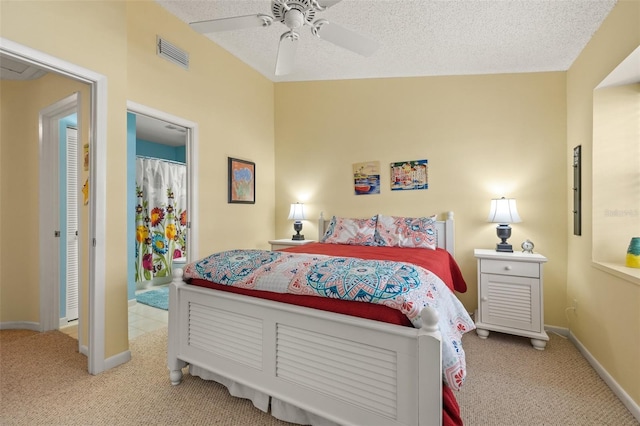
(444, 230)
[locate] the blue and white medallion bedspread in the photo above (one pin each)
(399, 285)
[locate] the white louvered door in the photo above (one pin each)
(72, 224)
(510, 301)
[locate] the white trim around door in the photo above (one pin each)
(49, 219)
(97, 189)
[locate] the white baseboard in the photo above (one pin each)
(117, 360)
(561, 331)
(610, 381)
(20, 325)
(64, 322)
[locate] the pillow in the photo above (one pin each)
(406, 232)
(359, 232)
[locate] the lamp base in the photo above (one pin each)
(504, 247)
(504, 232)
(297, 226)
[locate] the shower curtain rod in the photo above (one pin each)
(160, 159)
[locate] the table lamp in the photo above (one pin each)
(297, 213)
(503, 211)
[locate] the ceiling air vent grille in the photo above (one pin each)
(173, 53)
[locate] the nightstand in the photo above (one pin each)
(287, 242)
(510, 298)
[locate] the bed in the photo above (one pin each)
(307, 365)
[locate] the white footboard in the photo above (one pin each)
(349, 370)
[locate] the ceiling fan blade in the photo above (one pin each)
(235, 23)
(286, 53)
(327, 3)
(343, 37)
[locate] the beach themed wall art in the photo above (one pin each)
(366, 177)
(407, 175)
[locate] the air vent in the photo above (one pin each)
(173, 53)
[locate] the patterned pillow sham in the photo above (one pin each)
(419, 232)
(359, 232)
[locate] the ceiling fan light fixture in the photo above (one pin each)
(293, 19)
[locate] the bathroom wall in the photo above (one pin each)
(156, 150)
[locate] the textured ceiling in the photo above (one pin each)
(417, 37)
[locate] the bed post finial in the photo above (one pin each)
(177, 275)
(449, 215)
(321, 225)
(429, 317)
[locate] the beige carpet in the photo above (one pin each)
(510, 383)
(44, 382)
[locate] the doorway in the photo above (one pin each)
(158, 137)
(61, 172)
(96, 203)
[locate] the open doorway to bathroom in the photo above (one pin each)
(160, 202)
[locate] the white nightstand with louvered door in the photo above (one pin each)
(510, 298)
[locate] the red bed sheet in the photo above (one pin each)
(438, 261)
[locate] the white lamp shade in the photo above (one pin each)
(503, 210)
(297, 212)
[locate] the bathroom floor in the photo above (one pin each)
(142, 319)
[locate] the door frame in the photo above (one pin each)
(192, 168)
(49, 220)
(97, 188)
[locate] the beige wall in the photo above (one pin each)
(232, 104)
(21, 103)
(91, 35)
(608, 319)
(484, 137)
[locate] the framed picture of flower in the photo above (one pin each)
(242, 181)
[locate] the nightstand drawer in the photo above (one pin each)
(508, 267)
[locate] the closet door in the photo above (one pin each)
(72, 224)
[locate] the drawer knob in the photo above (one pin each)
(507, 268)
(484, 299)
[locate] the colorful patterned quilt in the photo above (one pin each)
(402, 286)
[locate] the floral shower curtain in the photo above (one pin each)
(161, 216)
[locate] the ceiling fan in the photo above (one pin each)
(294, 14)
